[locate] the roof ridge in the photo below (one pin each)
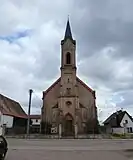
(9, 98)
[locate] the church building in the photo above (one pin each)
(69, 104)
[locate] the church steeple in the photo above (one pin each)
(68, 47)
(68, 33)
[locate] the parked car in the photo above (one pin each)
(3, 147)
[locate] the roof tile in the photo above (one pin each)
(11, 107)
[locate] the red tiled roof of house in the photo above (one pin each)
(79, 80)
(11, 108)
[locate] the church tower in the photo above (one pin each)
(69, 100)
(68, 63)
(69, 104)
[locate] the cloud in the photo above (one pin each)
(30, 36)
(105, 52)
(14, 37)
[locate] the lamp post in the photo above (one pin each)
(29, 108)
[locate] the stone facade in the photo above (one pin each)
(69, 101)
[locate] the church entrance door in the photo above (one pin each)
(68, 125)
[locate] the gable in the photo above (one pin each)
(86, 86)
(127, 118)
(50, 88)
(79, 80)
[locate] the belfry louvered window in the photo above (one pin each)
(68, 58)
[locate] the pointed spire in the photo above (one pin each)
(68, 33)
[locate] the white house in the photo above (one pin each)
(36, 119)
(119, 122)
(36, 122)
(6, 120)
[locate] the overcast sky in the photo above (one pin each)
(30, 35)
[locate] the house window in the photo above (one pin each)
(131, 130)
(128, 130)
(126, 121)
(68, 58)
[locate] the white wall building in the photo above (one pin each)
(127, 123)
(36, 119)
(6, 120)
(36, 123)
(119, 122)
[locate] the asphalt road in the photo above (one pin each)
(70, 149)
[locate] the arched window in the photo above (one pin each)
(68, 58)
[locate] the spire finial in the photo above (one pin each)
(68, 17)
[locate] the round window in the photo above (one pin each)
(68, 103)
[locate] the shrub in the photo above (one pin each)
(119, 135)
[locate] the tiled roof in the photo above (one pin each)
(11, 108)
(115, 119)
(35, 116)
(79, 80)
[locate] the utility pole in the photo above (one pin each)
(28, 122)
